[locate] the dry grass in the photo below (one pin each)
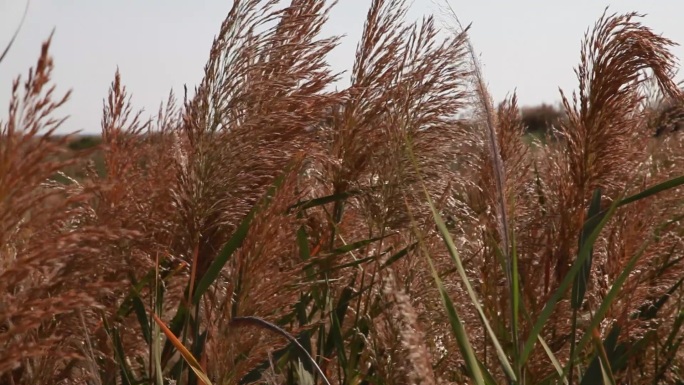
(266, 195)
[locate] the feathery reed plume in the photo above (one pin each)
(135, 178)
(602, 147)
(43, 280)
(600, 134)
(262, 90)
(414, 356)
(262, 279)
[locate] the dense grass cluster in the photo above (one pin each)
(400, 231)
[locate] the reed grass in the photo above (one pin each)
(403, 230)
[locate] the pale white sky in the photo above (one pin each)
(526, 45)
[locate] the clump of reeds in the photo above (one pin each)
(401, 230)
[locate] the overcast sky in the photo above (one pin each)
(526, 45)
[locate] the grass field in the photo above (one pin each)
(405, 230)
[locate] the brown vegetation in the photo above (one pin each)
(236, 223)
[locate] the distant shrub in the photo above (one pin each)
(540, 119)
(85, 142)
(666, 118)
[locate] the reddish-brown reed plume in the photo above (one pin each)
(52, 260)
